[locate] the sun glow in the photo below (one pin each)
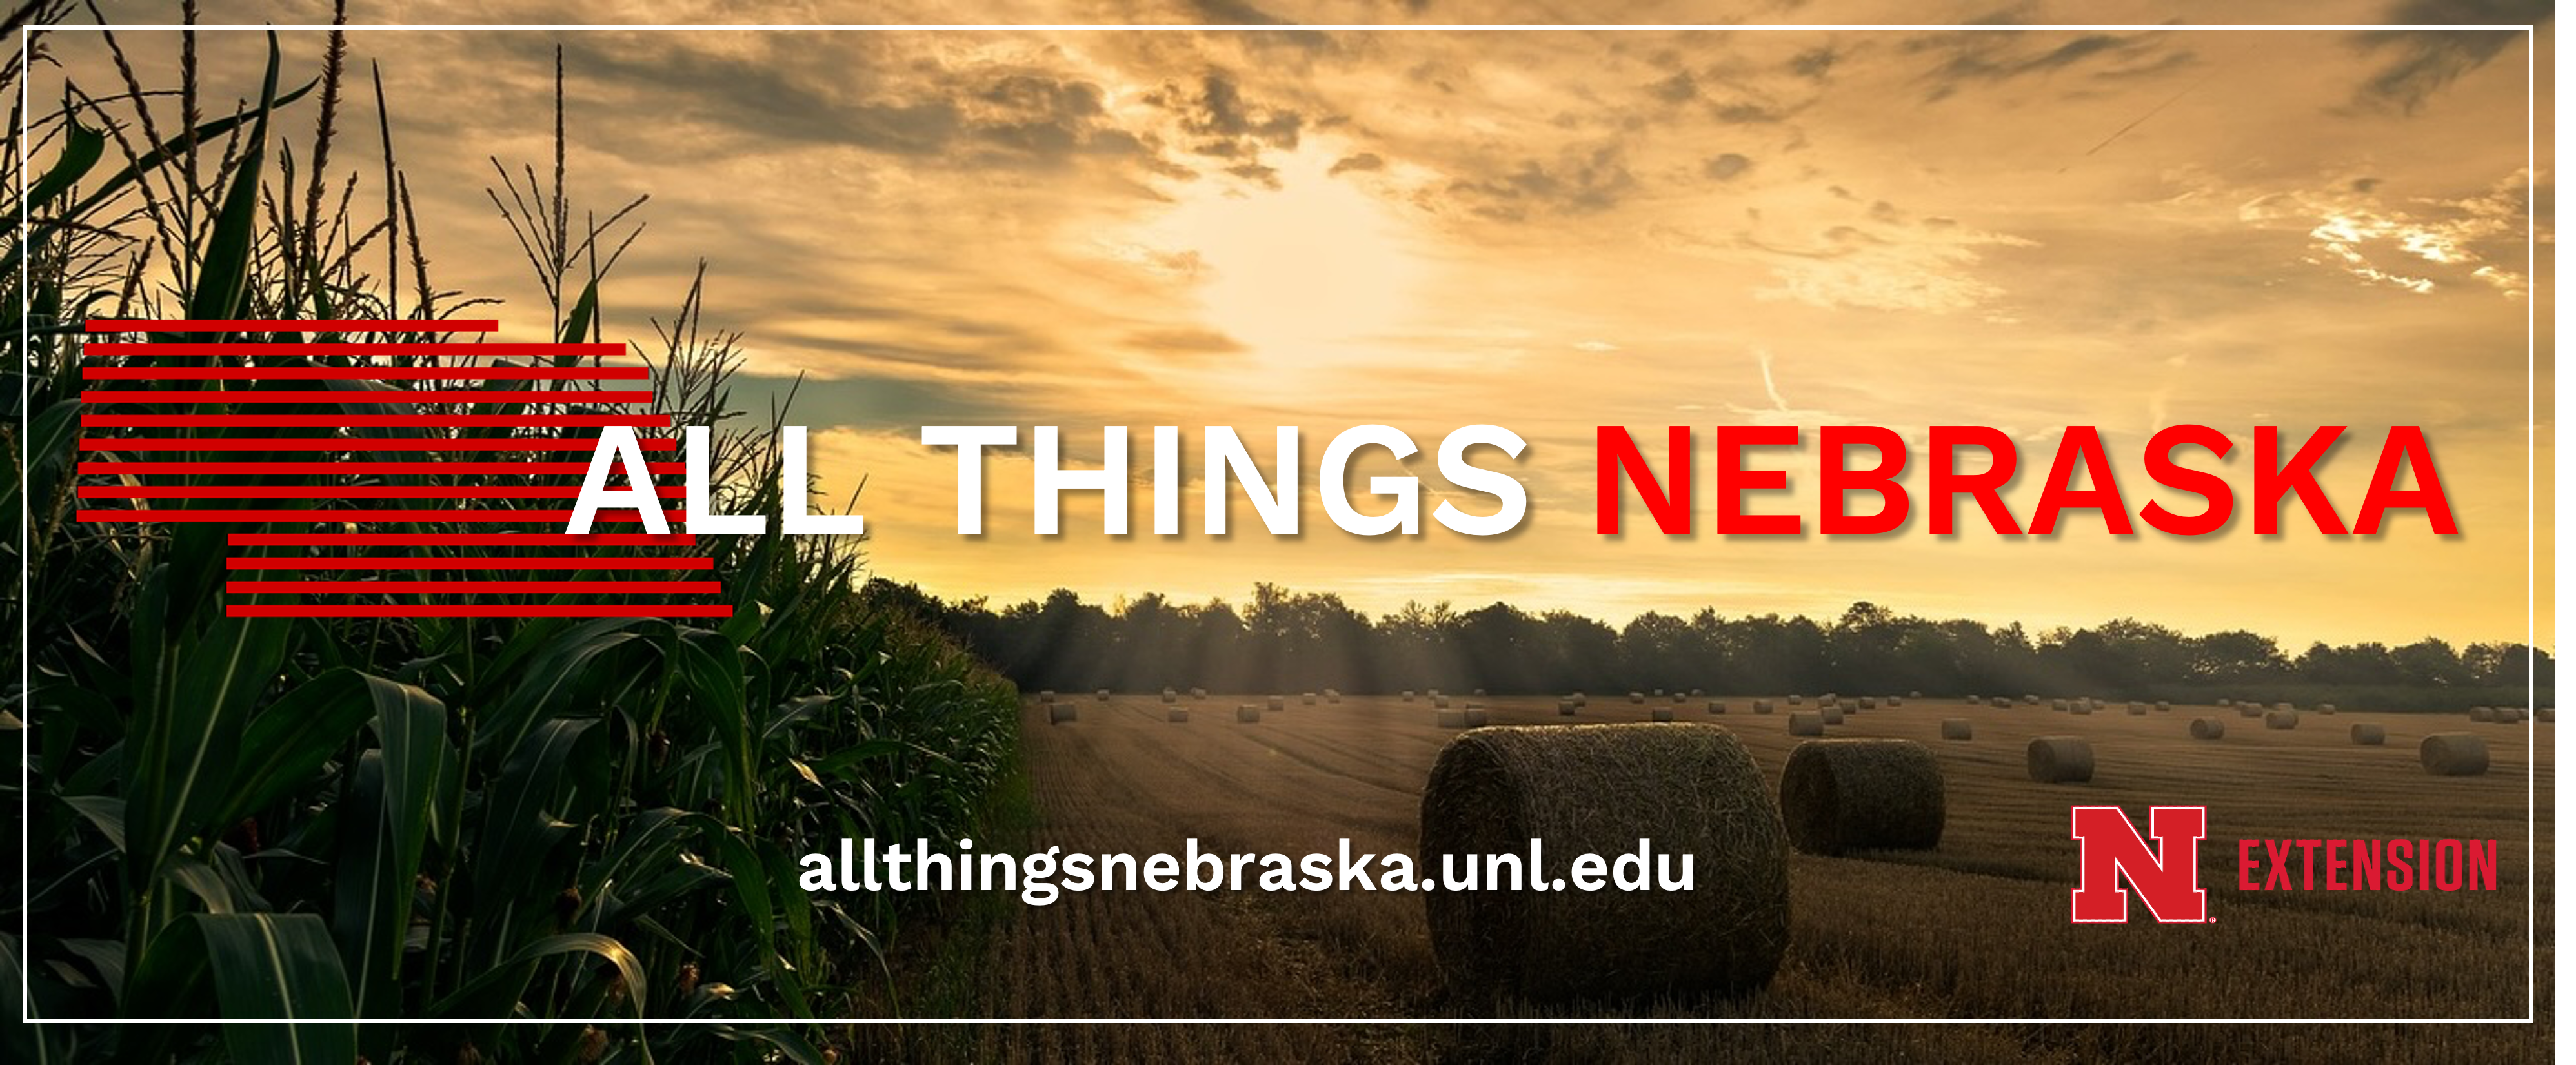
(1310, 270)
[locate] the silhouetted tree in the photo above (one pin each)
(1286, 641)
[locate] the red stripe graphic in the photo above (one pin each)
(554, 517)
(427, 610)
(365, 373)
(510, 459)
(460, 539)
(603, 562)
(370, 491)
(182, 443)
(399, 469)
(308, 325)
(467, 587)
(107, 350)
(532, 421)
(403, 395)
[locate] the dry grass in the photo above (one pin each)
(1975, 928)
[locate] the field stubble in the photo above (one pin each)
(1975, 929)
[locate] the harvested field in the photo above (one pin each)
(1976, 927)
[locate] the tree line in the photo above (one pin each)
(1286, 641)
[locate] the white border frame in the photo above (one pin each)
(2565, 483)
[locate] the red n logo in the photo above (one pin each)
(2109, 849)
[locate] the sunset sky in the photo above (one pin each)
(1550, 231)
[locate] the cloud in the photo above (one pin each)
(1969, 59)
(1832, 248)
(1267, 177)
(2423, 62)
(1240, 13)
(1676, 89)
(1184, 341)
(1855, 268)
(1218, 122)
(1580, 181)
(980, 110)
(1726, 167)
(2419, 245)
(1364, 161)
(1814, 63)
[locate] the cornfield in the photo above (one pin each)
(575, 822)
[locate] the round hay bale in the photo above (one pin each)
(2137, 709)
(1636, 697)
(1599, 789)
(1198, 693)
(1101, 695)
(1170, 696)
(2369, 735)
(2002, 703)
(1957, 728)
(2509, 715)
(2248, 710)
(1806, 723)
(1679, 698)
(1795, 700)
(2224, 704)
(1475, 717)
(1059, 713)
(2060, 759)
(1333, 695)
(1866, 703)
(2208, 728)
(2080, 706)
(1761, 706)
(1447, 718)
(1914, 694)
(1579, 700)
(2163, 706)
(2058, 705)
(1828, 699)
(2547, 715)
(1478, 693)
(2281, 719)
(1565, 708)
(1177, 715)
(2325, 708)
(1440, 702)
(2030, 700)
(1899, 700)
(1278, 702)
(1662, 714)
(1973, 700)
(2453, 754)
(2284, 705)
(1838, 795)
(1659, 693)
(1717, 706)
(2482, 713)
(1696, 693)
(1833, 715)
(1433, 692)
(1408, 695)
(1247, 714)
(1307, 699)
(1047, 695)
